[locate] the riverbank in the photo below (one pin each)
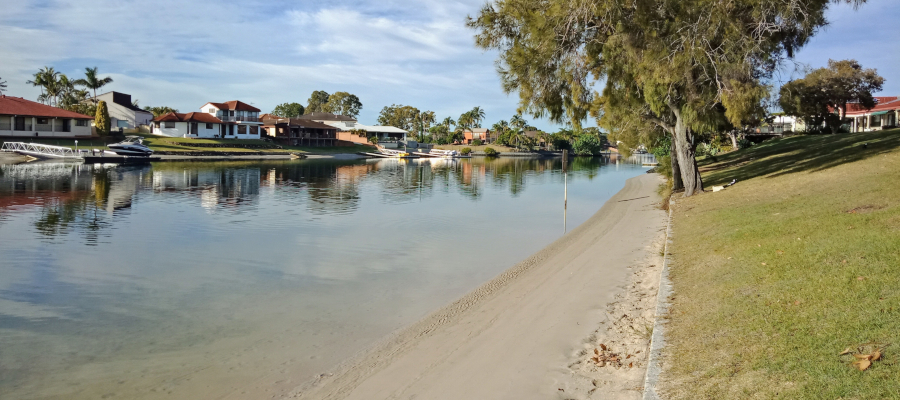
(783, 279)
(532, 331)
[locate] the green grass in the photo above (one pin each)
(159, 143)
(777, 275)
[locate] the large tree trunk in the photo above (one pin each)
(732, 134)
(690, 175)
(677, 183)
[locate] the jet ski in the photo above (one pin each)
(132, 146)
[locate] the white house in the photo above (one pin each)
(190, 125)
(25, 118)
(122, 113)
(386, 134)
(239, 120)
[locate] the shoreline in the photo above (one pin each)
(531, 331)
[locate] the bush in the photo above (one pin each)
(101, 119)
(587, 145)
(490, 152)
(744, 143)
(465, 151)
(477, 142)
(706, 149)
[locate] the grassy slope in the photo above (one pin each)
(778, 274)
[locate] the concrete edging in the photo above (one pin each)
(658, 340)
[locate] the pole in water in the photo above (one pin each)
(565, 161)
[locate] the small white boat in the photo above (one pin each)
(132, 146)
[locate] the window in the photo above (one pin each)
(242, 129)
(168, 124)
(212, 110)
(254, 130)
(121, 124)
(67, 125)
(43, 121)
(209, 126)
(84, 122)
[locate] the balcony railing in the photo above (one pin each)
(234, 118)
(5, 126)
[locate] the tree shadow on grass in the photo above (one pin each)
(797, 154)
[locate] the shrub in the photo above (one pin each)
(477, 142)
(465, 151)
(101, 119)
(744, 143)
(587, 145)
(490, 152)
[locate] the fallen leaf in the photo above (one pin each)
(844, 262)
(797, 302)
(876, 355)
(630, 365)
(763, 263)
(863, 364)
(859, 278)
(846, 351)
(862, 356)
(596, 359)
(561, 390)
(603, 346)
(597, 352)
(759, 245)
(629, 356)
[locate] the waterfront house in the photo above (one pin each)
(238, 120)
(25, 118)
(298, 132)
(388, 136)
(884, 115)
(123, 113)
(188, 125)
(482, 134)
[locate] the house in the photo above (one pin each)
(123, 113)
(25, 118)
(884, 115)
(388, 136)
(482, 134)
(298, 132)
(538, 138)
(239, 120)
(189, 125)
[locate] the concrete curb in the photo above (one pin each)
(658, 340)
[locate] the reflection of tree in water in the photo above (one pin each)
(331, 186)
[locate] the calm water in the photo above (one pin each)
(210, 280)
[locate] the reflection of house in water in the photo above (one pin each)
(225, 187)
(119, 185)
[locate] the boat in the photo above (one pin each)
(395, 153)
(132, 146)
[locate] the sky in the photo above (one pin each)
(183, 54)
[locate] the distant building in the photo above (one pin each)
(123, 113)
(388, 136)
(26, 118)
(298, 132)
(239, 120)
(482, 134)
(884, 115)
(188, 125)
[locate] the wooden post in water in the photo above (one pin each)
(565, 189)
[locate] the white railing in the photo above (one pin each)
(39, 150)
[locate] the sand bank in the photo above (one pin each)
(530, 333)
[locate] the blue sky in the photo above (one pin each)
(184, 54)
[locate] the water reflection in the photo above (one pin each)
(154, 273)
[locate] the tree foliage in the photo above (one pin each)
(587, 145)
(2, 85)
(815, 97)
(289, 110)
(681, 67)
(343, 103)
(399, 116)
(317, 101)
(92, 81)
(161, 110)
(101, 119)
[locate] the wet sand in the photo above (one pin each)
(530, 332)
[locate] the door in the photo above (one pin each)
(193, 128)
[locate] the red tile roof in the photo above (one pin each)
(188, 117)
(884, 104)
(234, 105)
(20, 106)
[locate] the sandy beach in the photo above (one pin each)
(531, 332)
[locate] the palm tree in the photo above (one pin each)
(518, 122)
(44, 78)
(477, 115)
(162, 110)
(426, 118)
(91, 81)
(2, 86)
(447, 122)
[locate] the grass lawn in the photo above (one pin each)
(776, 276)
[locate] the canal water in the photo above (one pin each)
(245, 279)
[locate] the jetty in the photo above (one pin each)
(43, 151)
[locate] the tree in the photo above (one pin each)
(43, 78)
(162, 110)
(660, 62)
(2, 85)
(317, 101)
(815, 97)
(587, 145)
(101, 119)
(477, 115)
(343, 103)
(92, 81)
(288, 110)
(399, 116)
